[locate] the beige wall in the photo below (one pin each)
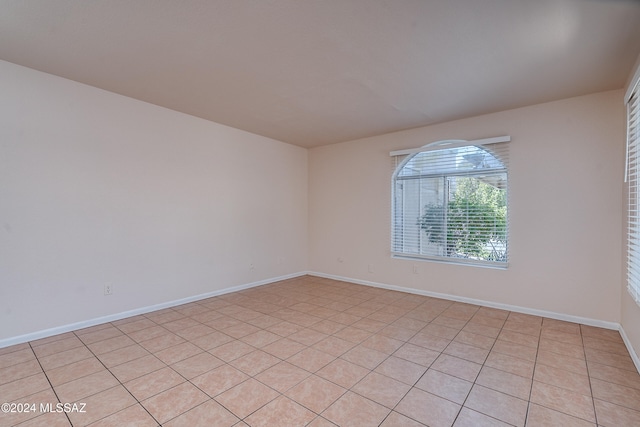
(96, 187)
(567, 162)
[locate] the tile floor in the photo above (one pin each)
(317, 352)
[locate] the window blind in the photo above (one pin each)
(633, 210)
(450, 202)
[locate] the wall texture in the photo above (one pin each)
(98, 188)
(567, 161)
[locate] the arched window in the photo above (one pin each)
(450, 203)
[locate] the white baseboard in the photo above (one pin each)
(632, 352)
(113, 317)
(518, 309)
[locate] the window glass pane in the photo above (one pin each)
(452, 204)
(450, 161)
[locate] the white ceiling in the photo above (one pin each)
(312, 72)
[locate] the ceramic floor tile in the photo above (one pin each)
(282, 412)
(428, 408)
(541, 416)
(353, 335)
(261, 338)
(498, 405)
(381, 389)
(166, 340)
(102, 405)
(516, 350)
(315, 393)
(148, 333)
(606, 334)
(470, 418)
(232, 350)
(563, 400)
(137, 368)
(610, 359)
(616, 394)
(365, 357)
(566, 349)
(26, 386)
(51, 419)
(174, 401)
(122, 355)
(15, 416)
(89, 385)
(282, 376)
(513, 365)
(610, 415)
(431, 342)
(307, 337)
(246, 397)
(110, 344)
(180, 324)
(505, 382)
(606, 345)
(401, 370)
(57, 346)
(178, 352)
(445, 386)
(154, 383)
(255, 362)
(16, 347)
(450, 322)
(65, 358)
(21, 370)
(352, 410)
(397, 332)
(284, 348)
(519, 338)
(134, 415)
(457, 367)
(476, 340)
(137, 325)
(311, 359)
(417, 354)
(478, 327)
(210, 341)
(466, 352)
(209, 413)
(334, 346)
(104, 332)
(395, 419)
(563, 379)
(556, 360)
(614, 375)
(573, 338)
(196, 365)
(343, 373)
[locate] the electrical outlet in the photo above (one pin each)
(415, 269)
(370, 268)
(108, 289)
(251, 266)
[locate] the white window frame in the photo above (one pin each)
(398, 235)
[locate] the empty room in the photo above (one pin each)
(320, 213)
